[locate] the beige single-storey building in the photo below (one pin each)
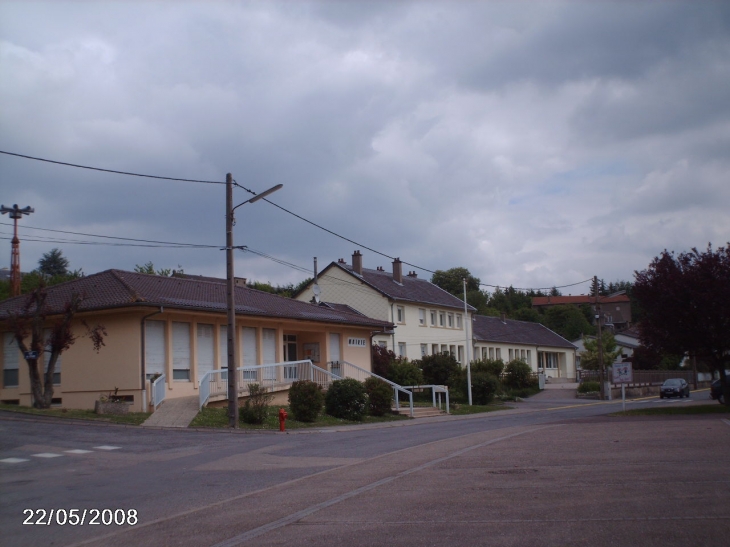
(177, 326)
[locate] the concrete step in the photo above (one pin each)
(420, 411)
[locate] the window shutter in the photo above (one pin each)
(205, 349)
(154, 347)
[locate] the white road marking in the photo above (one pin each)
(107, 447)
(78, 451)
(14, 460)
(46, 455)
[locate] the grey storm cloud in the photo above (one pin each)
(535, 143)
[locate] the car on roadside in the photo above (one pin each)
(716, 391)
(674, 387)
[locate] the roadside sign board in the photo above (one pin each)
(622, 373)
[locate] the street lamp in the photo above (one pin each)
(230, 297)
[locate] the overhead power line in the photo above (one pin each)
(331, 232)
(109, 170)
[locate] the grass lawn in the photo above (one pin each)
(217, 417)
(133, 418)
(676, 410)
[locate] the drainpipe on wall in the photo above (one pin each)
(392, 320)
(142, 361)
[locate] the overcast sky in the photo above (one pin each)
(535, 143)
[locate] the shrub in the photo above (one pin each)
(440, 369)
(484, 387)
(305, 400)
(587, 387)
(380, 396)
(256, 407)
(404, 373)
(383, 359)
(495, 367)
(346, 399)
(518, 375)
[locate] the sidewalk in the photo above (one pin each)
(177, 412)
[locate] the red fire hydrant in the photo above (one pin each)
(282, 419)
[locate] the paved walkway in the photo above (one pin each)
(177, 412)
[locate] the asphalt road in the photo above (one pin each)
(554, 471)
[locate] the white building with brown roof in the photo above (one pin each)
(177, 326)
(427, 319)
(538, 346)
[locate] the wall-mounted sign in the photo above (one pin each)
(357, 342)
(31, 355)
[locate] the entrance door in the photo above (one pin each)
(290, 354)
(335, 366)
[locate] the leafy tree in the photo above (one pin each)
(527, 314)
(149, 269)
(30, 323)
(648, 359)
(685, 299)
(440, 369)
(53, 263)
(568, 321)
(382, 360)
(451, 281)
(589, 357)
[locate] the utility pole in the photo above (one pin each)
(231, 307)
(15, 213)
(466, 349)
(230, 296)
(602, 372)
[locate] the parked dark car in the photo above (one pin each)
(716, 391)
(674, 387)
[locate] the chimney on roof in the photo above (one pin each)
(412, 274)
(239, 281)
(341, 261)
(380, 269)
(397, 271)
(504, 318)
(357, 262)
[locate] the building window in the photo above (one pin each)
(433, 319)
(458, 321)
(485, 354)
(444, 348)
(424, 350)
(452, 350)
(491, 353)
(401, 349)
(451, 320)
(460, 354)
(498, 353)
(383, 344)
(442, 319)
(435, 349)
(11, 360)
(547, 360)
(181, 351)
(422, 317)
(528, 356)
(511, 354)
(522, 354)
(155, 348)
(400, 314)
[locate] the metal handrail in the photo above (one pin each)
(434, 390)
(215, 382)
(396, 387)
(158, 391)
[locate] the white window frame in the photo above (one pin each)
(424, 350)
(400, 314)
(181, 358)
(402, 351)
(433, 318)
(450, 319)
(422, 317)
(458, 321)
